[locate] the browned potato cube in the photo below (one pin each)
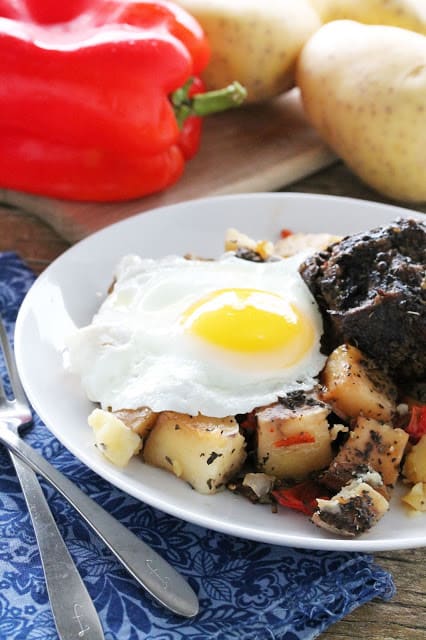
(235, 240)
(372, 445)
(206, 452)
(415, 463)
(293, 442)
(354, 386)
(354, 510)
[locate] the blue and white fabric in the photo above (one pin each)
(247, 590)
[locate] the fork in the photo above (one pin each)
(73, 610)
(148, 568)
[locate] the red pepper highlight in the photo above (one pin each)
(250, 422)
(88, 109)
(285, 233)
(417, 426)
(298, 438)
(302, 497)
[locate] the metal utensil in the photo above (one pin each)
(150, 570)
(73, 610)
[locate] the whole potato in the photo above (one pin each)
(408, 14)
(253, 41)
(364, 90)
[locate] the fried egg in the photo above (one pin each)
(215, 338)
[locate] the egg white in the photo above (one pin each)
(137, 353)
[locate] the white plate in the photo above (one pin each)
(69, 292)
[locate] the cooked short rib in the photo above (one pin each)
(371, 288)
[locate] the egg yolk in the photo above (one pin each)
(250, 321)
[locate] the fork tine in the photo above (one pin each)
(3, 396)
(15, 383)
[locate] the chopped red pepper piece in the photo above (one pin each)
(302, 497)
(285, 233)
(98, 101)
(417, 425)
(297, 438)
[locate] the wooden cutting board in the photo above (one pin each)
(256, 148)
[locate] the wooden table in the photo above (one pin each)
(403, 618)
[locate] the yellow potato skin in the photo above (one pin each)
(364, 89)
(408, 14)
(254, 42)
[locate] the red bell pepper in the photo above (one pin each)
(99, 99)
(301, 497)
(417, 425)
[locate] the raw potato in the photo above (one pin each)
(256, 43)
(415, 463)
(353, 386)
(408, 14)
(113, 438)
(294, 461)
(206, 452)
(364, 89)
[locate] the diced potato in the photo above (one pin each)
(296, 242)
(206, 452)
(284, 248)
(354, 386)
(416, 497)
(139, 420)
(414, 468)
(279, 426)
(354, 510)
(235, 240)
(370, 444)
(260, 484)
(113, 438)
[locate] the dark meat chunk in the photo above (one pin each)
(371, 288)
(371, 446)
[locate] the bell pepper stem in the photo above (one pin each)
(203, 104)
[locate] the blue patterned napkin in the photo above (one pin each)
(247, 590)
